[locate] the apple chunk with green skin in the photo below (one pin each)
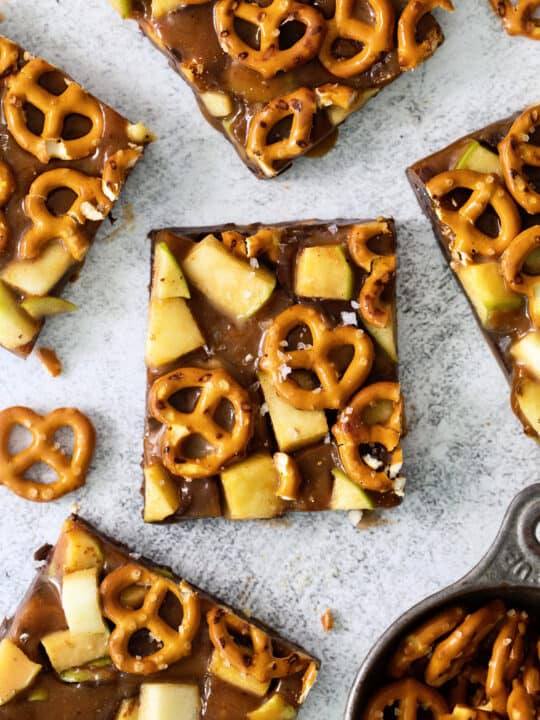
(478, 158)
(161, 499)
(80, 602)
(17, 672)
(323, 271)
(527, 352)
(17, 328)
(67, 650)
(123, 7)
(528, 400)
(237, 289)
(274, 709)
(385, 337)
(162, 7)
(250, 488)
(168, 280)
(229, 674)
(347, 495)
(38, 277)
(169, 701)
(487, 290)
(39, 307)
(172, 331)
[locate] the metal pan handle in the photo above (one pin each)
(514, 557)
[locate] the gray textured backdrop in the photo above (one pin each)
(466, 455)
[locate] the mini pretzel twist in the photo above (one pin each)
(280, 362)
(269, 59)
(471, 678)
(515, 153)
(71, 471)
(450, 655)
(487, 190)
(419, 642)
(512, 262)
(506, 659)
(520, 704)
(226, 444)
(258, 659)
(410, 697)
(352, 432)
(373, 310)
(411, 52)
(7, 188)
(264, 242)
(9, 55)
(175, 643)
(90, 204)
(518, 18)
(376, 38)
(358, 242)
(302, 106)
(24, 88)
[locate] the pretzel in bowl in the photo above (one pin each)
(512, 262)
(520, 704)
(372, 308)
(412, 53)
(7, 188)
(506, 660)
(174, 642)
(225, 444)
(71, 471)
(410, 699)
(268, 59)
(334, 388)
(376, 38)
(516, 152)
(518, 16)
(486, 191)
(355, 436)
(24, 89)
(254, 655)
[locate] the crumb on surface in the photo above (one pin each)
(49, 359)
(327, 620)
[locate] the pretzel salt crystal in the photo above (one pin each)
(352, 432)
(411, 52)
(455, 651)
(24, 88)
(376, 38)
(487, 190)
(302, 106)
(7, 188)
(9, 55)
(315, 358)
(506, 659)
(255, 656)
(71, 471)
(518, 18)
(410, 698)
(268, 59)
(512, 262)
(373, 310)
(418, 643)
(226, 444)
(359, 238)
(174, 643)
(520, 704)
(516, 152)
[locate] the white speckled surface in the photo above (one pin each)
(466, 455)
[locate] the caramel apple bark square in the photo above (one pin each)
(272, 371)
(103, 633)
(482, 195)
(277, 78)
(64, 158)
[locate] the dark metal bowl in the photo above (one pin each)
(510, 570)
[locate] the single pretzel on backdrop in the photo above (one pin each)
(516, 152)
(254, 655)
(487, 191)
(512, 263)
(9, 55)
(264, 242)
(373, 310)
(7, 188)
(71, 471)
(353, 433)
(226, 444)
(174, 643)
(301, 105)
(419, 643)
(376, 38)
(24, 88)
(89, 204)
(412, 53)
(520, 704)
(455, 651)
(518, 18)
(359, 238)
(280, 362)
(268, 59)
(410, 699)
(507, 657)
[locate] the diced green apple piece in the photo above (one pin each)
(527, 352)
(39, 307)
(385, 337)
(237, 289)
(531, 265)
(17, 671)
(229, 674)
(161, 498)
(528, 400)
(38, 277)
(250, 488)
(478, 158)
(76, 550)
(273, 709)
(162, 7)
(17, 328)
(169, 701)
(80, 602)
(168, 280)
(92, 672)
(172, 331)
(38, 695)
(293, 428)
(323, 271)
(129, 709)
(487, 290)
(347, 495)
(67, 650)
(123, 7)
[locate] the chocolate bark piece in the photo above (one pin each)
(481, 194)
(272, 381)
(103, 631)
(279, 78)
(63, 161)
